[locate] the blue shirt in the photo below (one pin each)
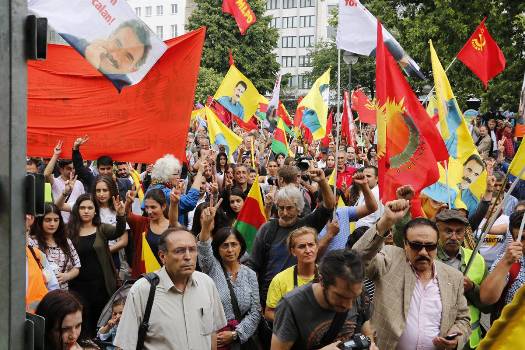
(235, 108)
(344, 216)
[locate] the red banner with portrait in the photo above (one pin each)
(68, 98)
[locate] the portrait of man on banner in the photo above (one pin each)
(237, 94)
(107, 34)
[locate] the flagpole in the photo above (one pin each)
(492, 218)
(434, 87)
(338, 117)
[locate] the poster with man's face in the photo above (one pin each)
(107, 33)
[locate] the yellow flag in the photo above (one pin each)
(518, 163)
(467, 177)
(237, 94)
(508, 332)
(331, 179)
(315, 105)
(220, 134)
(150, 261)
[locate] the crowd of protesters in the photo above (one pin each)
(325, 269)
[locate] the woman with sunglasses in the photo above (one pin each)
(236, 283)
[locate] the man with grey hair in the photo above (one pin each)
(270, 253)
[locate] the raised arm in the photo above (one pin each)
(173, 213)
(60, 202)
(370, 205)
(318, 176)
(48, 171)
(84, 174)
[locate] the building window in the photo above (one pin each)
(289, 4)
(173, 30)
(289, 22)
(160, 10)
(148, 11)
(292, 81)
(288, 61)
(272, 4)
(306, 41)
(289, 41)
(306, 21)
(160, 32)
(274, 22)
(173, 9)
(303, 82)
(306, 3)
(138, 11)
(305, 61)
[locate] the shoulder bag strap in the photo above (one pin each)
(34, 256)
(153, 279)
(335, 327)
(233, 297)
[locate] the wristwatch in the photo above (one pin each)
(235, 336)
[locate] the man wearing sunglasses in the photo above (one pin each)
(452, 224)
(419, 300)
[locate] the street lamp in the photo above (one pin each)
(350, 58)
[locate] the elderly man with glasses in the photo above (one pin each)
(419, 301)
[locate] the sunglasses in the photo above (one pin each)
(416, 246)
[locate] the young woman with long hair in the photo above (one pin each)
(48, 234)
(97, 279)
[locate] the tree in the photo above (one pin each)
(207, 83)
(253, 52)
(449, 24)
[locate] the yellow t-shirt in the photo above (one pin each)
(281, 285)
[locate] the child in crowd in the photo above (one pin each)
(107, 332)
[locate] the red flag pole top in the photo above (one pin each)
(482, 55)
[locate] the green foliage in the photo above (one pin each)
(207, 83)
(253, 52)
(449, 24)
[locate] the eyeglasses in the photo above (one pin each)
(416, 246)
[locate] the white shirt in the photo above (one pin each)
(492, 244)
(424, 317)
(370, 219)
(57, 188)
(192, 213)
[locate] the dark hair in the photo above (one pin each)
(519, 204)
(34, 161)
(104, 161)
(112, 187)
(75, 222)
(498, 175)
(345, 264)
(374, 168)
(54, 307)
(220, 220)
(64, 162)
(163, 245)
(118, 301)
(243, 84)
(158, 196)
(515, 220)
(142, 33)
(218, 163)
(60, 235)
(121, 163)
(477, 159)
(222, 235)
(235, 191)
(420, 222)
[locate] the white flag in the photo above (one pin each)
(357, 33)
(107, 33)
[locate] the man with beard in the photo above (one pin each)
(452, 224)
(419, 301)
(233, 103)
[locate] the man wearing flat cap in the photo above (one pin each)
(452, 224)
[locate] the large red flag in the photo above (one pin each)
(364, 108)
(241, 11)
(348, 129)
(482, 54)
(409, 145)
(68, 98)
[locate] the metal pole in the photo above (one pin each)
(338, 118)
(13, 110)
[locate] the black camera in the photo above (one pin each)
(272, 181)
(358, 341)
(303, 163)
